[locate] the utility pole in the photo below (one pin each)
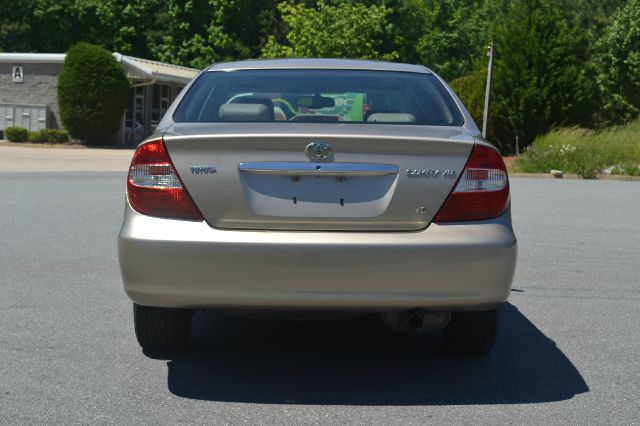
(487, 92)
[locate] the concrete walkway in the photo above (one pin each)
(15, 157)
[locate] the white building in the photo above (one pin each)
(29, 92)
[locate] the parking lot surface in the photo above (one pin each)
(568, 350)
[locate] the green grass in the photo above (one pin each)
(585, 152)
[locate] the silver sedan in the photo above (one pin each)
(313, 186)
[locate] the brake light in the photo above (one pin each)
(482, 191)
(154, 187)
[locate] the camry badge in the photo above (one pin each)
(319, 151)
(431, 173)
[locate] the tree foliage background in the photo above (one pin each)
(360, 29)
(558, 62)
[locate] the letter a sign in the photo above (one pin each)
(16, 75)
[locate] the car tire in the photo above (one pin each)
(471, 333)
(162, 329)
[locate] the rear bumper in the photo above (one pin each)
(172, 263)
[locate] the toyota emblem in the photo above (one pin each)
(319, 151)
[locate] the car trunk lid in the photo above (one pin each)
(264, 176)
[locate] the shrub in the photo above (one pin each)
(49, 136)
(92, 93)
(629, 170)
(55, 135)
(632, 171)
(36, 137)
(16, 134)
(585, 152)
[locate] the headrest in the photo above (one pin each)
(245, 112)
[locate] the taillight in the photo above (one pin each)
(154, 188)
(482, 192)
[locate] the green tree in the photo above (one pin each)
(471, 90)
(448, 36)
(127, 26)
(201, 32)
(343, 30)
(619, 64)
(14, 25)
(539, 78)
(454, 33)
(130, 26)
(589, 19)
(92, 93)
(193, 35)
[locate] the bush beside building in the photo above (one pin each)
(16, 134)
(20, 134)
(92, 93)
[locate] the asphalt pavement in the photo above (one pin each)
(568, 350)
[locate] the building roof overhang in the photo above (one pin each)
(154, 71)
(33, 58)
(143, 71)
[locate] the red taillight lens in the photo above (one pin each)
(154, 188)
(482, 192)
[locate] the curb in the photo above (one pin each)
(576, 177)
(60, 145)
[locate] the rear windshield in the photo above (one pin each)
(319, 96)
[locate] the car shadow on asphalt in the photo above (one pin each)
(358, 362)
